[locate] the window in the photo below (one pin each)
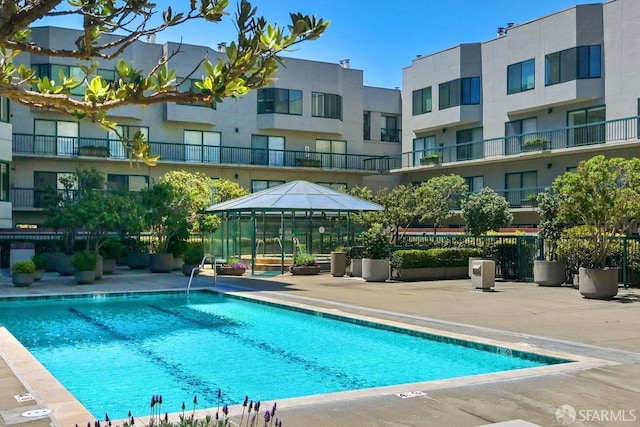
(281, 101)
(389, 130)
(44, 182)
(422, 101)
(116, 149)
(520, 186)
(326, 105)
(582, 62)
(475, 184)
(55, 137)
(201, 146)
(4, 181)
(521, 76)
(586, 126)
(4, 109)
(459, 92)
(260, 184)
(126, 183)
(366, 123)
(423, 147)
(469, 144)
(190, 84)
(337, 186)
(267, 150)
(518, 131)
(54, 71)
(333, 153)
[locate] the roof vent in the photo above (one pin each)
(222, 47)
(345, 63)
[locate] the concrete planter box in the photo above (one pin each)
(304, 271)
(432, 273)
(598, 283)
(161, 262)
(85, 277)
(549, 273)
(356, 267)
(338, 263)
(375, 270)
(108, 266)
(22, 279)
(228, 271)
(64, 265)
(137, 260)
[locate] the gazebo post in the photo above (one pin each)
(253, 241)
(282, 242)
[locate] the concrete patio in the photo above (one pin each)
(519, 314)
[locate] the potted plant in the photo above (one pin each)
(375, 261)
(549, 270)
(575, 250)
(85, 264)
(22, 273)
(304, 264)
(192, 257)
(40, 261)
(338, 262)
(355, 255)
(535, 144)
(233, 267)
(603, 194)
(110, 250)
(430, 159)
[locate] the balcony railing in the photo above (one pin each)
(521, 197)
(35, 198)
(564, 138)
(178, 152)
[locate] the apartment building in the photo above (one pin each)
(514, 112)
(511, 113)
(308, 125)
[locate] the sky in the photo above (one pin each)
(379, 37)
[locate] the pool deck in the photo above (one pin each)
(522, 315)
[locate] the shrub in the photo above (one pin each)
(25, 266)
(194, 254)
(305, 260)
(40, 261)
(111, 248)
(433, 258)
(376, 241)
(84, 260)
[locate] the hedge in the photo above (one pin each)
(435, 257)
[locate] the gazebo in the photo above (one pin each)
(267, 228)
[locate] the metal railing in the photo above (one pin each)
(563, 138)
(189, 153)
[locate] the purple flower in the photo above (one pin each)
(267, 417)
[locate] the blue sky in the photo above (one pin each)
(380, 37)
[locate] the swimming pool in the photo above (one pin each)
(113, 353)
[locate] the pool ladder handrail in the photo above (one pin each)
(201, 267)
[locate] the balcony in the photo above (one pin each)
(591, 134)
(41, 145)
(521, 197)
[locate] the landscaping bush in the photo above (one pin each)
(26, 266)
(433, 258)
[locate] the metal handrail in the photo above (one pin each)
(201, 267)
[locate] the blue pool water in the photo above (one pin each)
(113, 353)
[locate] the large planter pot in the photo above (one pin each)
(138, 260)
(338, 263)
(304, 271)
(375, 270)
(177, 262)
(161, 262)
(64, 265)
(22, 279)
(356, 267)
(598, 283)
(52, 261)
(549, 273)
(85, 277)
(37, 275)
(99, 267)
(108, 266)
(188, 268)
(228, 271)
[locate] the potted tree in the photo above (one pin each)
(22, 273)
(85, 264)
(550, 270)
(110, 251)
(604, 195)
(40, 261)
(375, 261)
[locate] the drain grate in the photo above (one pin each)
(24, 397)
(409, 394)
(36, 413)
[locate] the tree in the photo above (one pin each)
(438, 197)
(604, 195)
(551, 223)
(485, 211)
(109, 27)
